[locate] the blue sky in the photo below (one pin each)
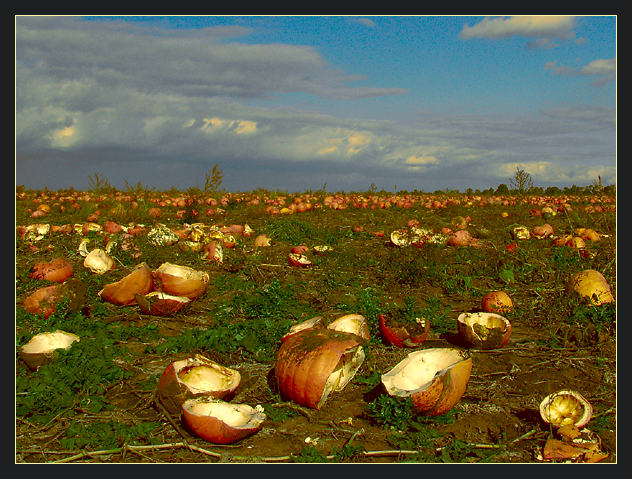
(293, 103)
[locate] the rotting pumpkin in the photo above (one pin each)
(197, 376)
(435, 379)
(314, 362)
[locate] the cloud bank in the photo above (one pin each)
(162, 107)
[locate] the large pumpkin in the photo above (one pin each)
(434, 378)
(314, 362)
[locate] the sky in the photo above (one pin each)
(299, 103)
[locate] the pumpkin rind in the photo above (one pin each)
(306, 360)
(447, 372)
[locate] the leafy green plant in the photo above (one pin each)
(107, 434)
(395, 413)
(310, 453)
(78, 377)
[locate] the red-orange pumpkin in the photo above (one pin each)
(314, 362)
(58, 270)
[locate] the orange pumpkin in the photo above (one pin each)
(58, 270)
(314, 362)
(196, 376)
(435, 379)
(124, 291)
(221, 422)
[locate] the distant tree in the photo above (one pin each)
(502, 189)
(521, 181)
(214, 179)
(552, 190)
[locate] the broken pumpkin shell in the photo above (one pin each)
(542, 231)
(591, 286)
(262, 240)
(353, 324)
(566, 407)
(587, 234)
(298, 260)
(221, 422)
(98, 261)
(161, 235)
(196, 376)
(181, 280)
(483, 330)
(315, 322)
(315, 362)
(57, 270)
(520, 233)
(41, 348)
(400, 237)
(435, 379)
(158, 303)
(124, 291)
(460, 238)
(212, 251)
(404, 334)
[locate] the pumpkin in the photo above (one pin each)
(404, 334)
(181, 280)
(315, 362)
(565, 407)
(591, 286)
(124, 291)
(196, 376)
(41, 348)
(58, 270)
(221, 422)
(483, 330)
(435, 379)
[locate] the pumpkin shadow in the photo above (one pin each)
(454, 339)
(273, 384)
(377, 391)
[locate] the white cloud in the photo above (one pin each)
(529, 26)
(602, 70)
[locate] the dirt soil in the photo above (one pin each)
(498, 413)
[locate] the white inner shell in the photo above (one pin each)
(163, 295)
(234, 415)
(564, 409)
(350, 323)
(347, 367)
(488, 320)
(48, 342)
(183, 272)
(418, 370)
(205, 378)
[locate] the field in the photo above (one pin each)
(97, 400)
